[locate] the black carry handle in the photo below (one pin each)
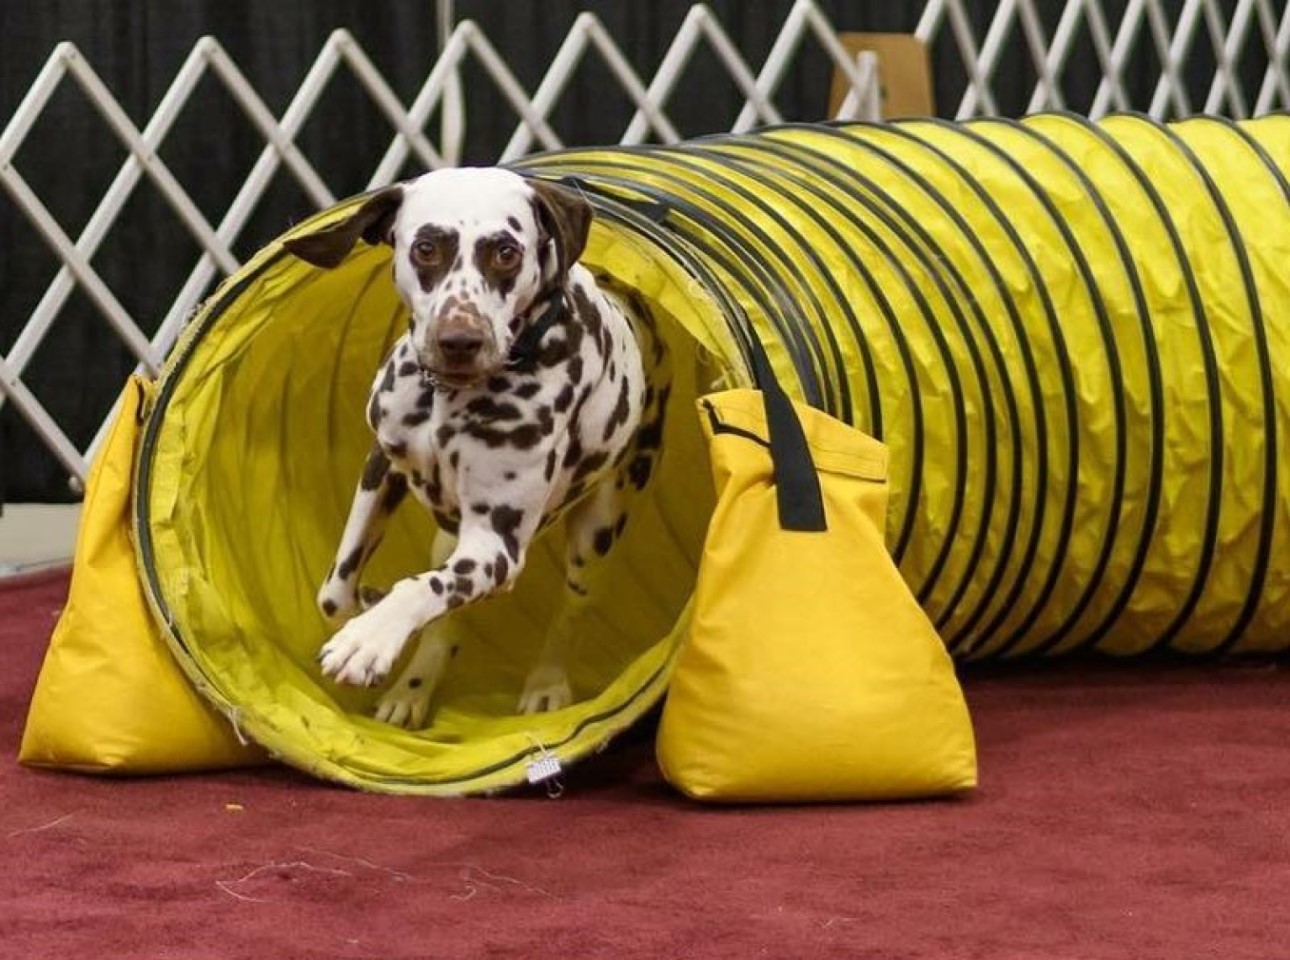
(797, 485)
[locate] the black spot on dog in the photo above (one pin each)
(480, 508)
(488, 570)
(434, 484)
(464, 586)
(414, 683)
(430, 272)
(620, 526)
(563, 398)
(546, 421)
(523, 437)
(374, 412)
(443, 435)
(374, 471)
(588, 314)
(498, 384)
(506, 521)
(514, 224)
(500, 569)
(416, 418)
(590, 464)
(350, 563)
(425, 399)
(603, 540)
(436, 586)
(454, 458)
(454, 601)
(463, 566)
(575, 370)
(508, 476)
(621, 411)
(528, 390)
(329, 607)
(573, 453)
(650, 435)
(497, 276)
(387, 381)
(397, 449)
(394, 492)
(549, 472)
(490, 409)
(554, 351)
(408, 367)
(639, 470)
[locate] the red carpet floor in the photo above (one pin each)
(1127, 813)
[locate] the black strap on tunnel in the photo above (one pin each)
(799, 500)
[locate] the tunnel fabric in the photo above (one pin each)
(1071, 336)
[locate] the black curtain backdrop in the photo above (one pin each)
(137, 48)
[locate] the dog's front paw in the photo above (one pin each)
(546, 689)
(364, 650)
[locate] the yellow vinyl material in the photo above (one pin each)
(809, 672)
(1071, 337)
(110, 698)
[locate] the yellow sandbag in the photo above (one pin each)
(810, 672)
(109, 698)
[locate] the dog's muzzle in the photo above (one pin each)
(458, 354)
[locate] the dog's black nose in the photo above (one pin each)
(460, 345)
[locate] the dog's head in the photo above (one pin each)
(478, 253)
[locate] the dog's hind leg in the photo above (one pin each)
(407, 702)
(380, 490)
(591, 527)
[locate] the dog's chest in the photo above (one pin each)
(546, 435)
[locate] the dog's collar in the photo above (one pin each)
(525, 348)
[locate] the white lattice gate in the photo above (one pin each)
(1171, 36)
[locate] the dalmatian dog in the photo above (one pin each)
(523, 391)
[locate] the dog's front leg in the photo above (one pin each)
(407, 702)
(380, 490)
(488, 557)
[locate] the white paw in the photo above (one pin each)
(405, 706)
(407, 702)
(364, 650)
(546, 689)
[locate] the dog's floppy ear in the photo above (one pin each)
(566, 217)
(372, 222)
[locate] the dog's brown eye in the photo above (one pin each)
(425, 251)
(506, 255)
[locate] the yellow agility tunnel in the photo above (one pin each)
(1073, 337)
